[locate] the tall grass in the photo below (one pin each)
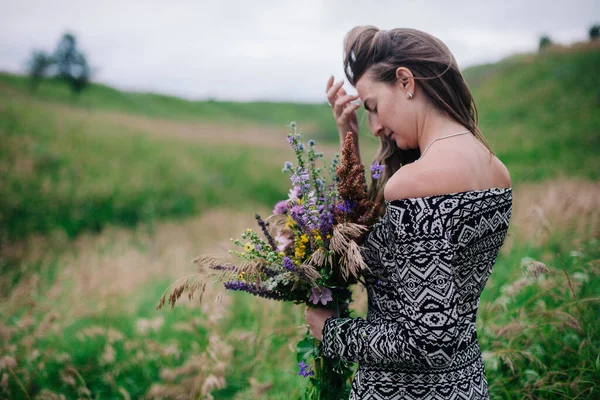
(92, 329)
(538, 327)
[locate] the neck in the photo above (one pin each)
(434, 125)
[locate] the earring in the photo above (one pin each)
(410, 95)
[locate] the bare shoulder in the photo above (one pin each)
(446, 173)
(409, 181)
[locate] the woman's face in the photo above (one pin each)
(389, 111)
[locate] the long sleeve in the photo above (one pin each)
(424, 282)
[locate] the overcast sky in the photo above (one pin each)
(263, 49)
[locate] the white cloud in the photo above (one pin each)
(264, 49)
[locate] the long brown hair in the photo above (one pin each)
(381, 52)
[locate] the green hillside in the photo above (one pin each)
(541, 112)
(78, 164)
(316, 118)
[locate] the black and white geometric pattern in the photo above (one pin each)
(430, 259)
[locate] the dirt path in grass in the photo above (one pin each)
(253, 135)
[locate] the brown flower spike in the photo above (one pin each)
(352, 187)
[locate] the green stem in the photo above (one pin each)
(20, 383)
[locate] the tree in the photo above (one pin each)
(37, 68)
(545, 41)
(66, 63)
(72, 66)
(595, 32)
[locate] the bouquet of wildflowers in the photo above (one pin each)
(307, 251)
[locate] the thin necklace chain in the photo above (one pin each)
(440, 138)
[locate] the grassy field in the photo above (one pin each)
(104, 200)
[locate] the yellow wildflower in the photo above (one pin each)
(290, 222)
(242, 276)
(316, 234)
(248, 246)
(300, 250)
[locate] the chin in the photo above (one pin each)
(401, 144)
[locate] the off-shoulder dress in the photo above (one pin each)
(430, 259)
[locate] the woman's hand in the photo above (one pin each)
(344, 111)
(315, 318)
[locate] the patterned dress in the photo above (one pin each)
(430, 258)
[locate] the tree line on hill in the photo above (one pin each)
(593, 33)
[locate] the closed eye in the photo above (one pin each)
(371, 110)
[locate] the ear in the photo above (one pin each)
(405, 80)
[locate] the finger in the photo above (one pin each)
(329, 83)
(332, 92)
(342, 92)
(349, 110)
(342, 102)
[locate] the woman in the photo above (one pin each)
(446, 217)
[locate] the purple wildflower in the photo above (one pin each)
(288, 263)
(254, 290)
(320, 294)
(222, 267)
(326, 220)
(305, 369)
(290, 140)
(377, 170)
(263, 226)
(297, 214)
(346, 206)
(311, 213)
(294, 142)
(300, 178)
(281, 207)
(294, 193)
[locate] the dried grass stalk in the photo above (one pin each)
(209, 261)
(310, 273)
(249, 267)
(511, 329)
(339, 242)
(277, 223)
(536, 268)
(351, 230)
(353, 262)
(318, 258)
(190, 284)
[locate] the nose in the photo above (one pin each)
(376, 126)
